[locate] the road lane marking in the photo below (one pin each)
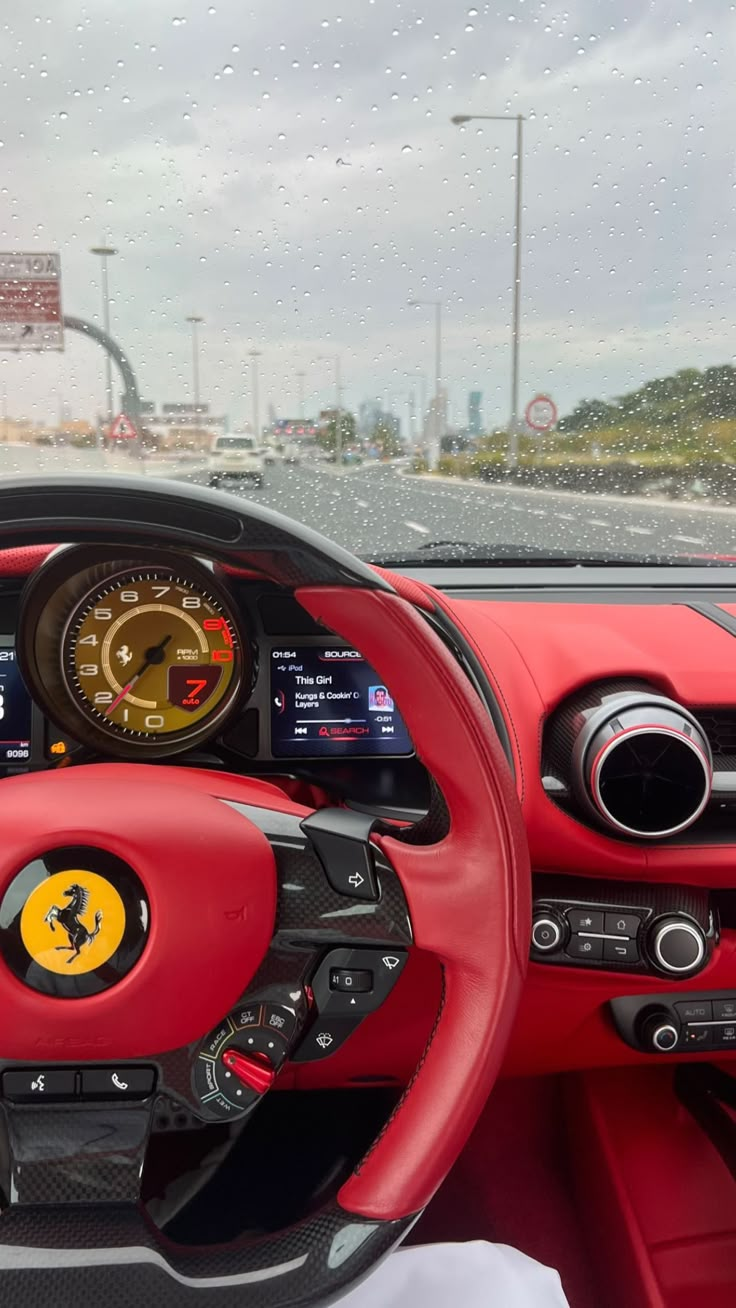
(538, 513)
(417, 526)
(597, 522)
(362, 504)
(566, 517)
(641, 531)
(689, 540)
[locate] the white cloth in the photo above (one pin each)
(472, 1275)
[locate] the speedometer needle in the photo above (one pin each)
(153, 655)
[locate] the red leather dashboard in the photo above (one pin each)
(534, 655)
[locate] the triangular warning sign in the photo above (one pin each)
(123, 429)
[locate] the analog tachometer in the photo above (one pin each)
(135, 657)
(149, 653)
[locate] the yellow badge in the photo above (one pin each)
(72, 922)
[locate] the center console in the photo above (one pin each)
(661, 930)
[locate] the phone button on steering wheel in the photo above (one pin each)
(117, 1082)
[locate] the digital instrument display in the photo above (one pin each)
(15, 710)
(327, 700)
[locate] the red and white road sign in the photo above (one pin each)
(541, 413)
(30, 302)
(123, 429)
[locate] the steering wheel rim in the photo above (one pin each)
(480, 936)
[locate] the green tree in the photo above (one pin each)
(385, 437)
(327, 435)
(588, 415)
(666, 407)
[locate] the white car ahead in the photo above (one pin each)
(236, 458)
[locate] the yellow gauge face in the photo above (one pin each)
(149, 654)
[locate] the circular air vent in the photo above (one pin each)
(645, 765)
(651, 781)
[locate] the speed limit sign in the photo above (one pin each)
(541, 413)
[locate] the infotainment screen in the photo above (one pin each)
(15, 710)
(328, 701)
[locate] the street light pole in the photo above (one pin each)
(300, 379)
(195, 320)
(255, 356)
(435, 446)
(459, 120)
(105, 252)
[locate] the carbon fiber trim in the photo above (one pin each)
(309, 911)
(114, 1257)
(565, 723)
(62, 1156)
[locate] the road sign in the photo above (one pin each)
(123, 429)
(30, 302)
(541, 413)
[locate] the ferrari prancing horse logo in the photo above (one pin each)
(73, 922)
(69, 917)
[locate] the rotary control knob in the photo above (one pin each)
(238, 1062)
(660, 1032)
(677, 945)
(548, 932)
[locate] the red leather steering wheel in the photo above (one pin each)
(72, 1232)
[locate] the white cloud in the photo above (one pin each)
(224, 194)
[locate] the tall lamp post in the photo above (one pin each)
(300, 380)
(194, 320)
(254, 357)
(459, 120)
(435, 446)
(105, 252)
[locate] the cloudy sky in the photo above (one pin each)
(287, 169)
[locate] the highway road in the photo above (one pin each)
(379, 511)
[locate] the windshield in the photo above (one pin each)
(464, 273)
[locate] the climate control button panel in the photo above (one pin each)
(668, 1024)
(668, 931)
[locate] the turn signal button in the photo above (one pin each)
(252, 1070)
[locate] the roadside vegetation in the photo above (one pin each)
(675, 434)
